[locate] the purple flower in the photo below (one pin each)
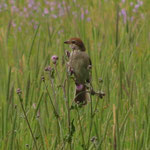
(136, 6)
(54, 16)
(61, 12)
(13, 24)
(63, 2)
(124, 14)
(131, 19)
(19, 28)
(14, 9)
(140, 3)
(123, 1)
(82, 16)
(79, 87)
(54, 59)
(86, 11)
(47, 2)
(52, 3)
(131, 4)
(88, 19)
(30, 3)
(35, 8)
(46, 11)
(12, 2)
(59, 5)
(5, 5)
(35, 26)
(52, 8)
(25, 9)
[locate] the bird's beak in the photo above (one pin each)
(67, 42)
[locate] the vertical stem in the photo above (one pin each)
(7, 99)
(67, 106)
(55, 111)
(8, 29)
(30, 51)
(68, 114)
(83, 141)
(54, 92)
(56, 105)
(13, 128)
(117, 25)
(114, 127)
(117, 34)
(26, 118)
(91, 122)
(67, 101)
(96, 106)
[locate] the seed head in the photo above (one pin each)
(101, 94)
(19, 92)
(43, 78)
(100, 80)
(48, 68)
(93, 139)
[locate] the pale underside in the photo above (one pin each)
(79, 62)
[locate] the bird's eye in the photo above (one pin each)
(73, 42)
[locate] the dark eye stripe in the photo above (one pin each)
(73, 42)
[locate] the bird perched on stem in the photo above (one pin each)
(80, 64)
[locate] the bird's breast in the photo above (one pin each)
(79, 62)
(79, 59)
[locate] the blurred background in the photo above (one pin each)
(116, 34)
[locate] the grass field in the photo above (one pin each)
(116, 34)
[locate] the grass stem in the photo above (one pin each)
(26, 118)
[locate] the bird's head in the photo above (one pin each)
(76, 44)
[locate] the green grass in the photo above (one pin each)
(119, 121)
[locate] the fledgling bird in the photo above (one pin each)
(80, 64)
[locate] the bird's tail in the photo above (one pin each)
(81, 94)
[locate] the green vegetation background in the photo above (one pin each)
(117, 38)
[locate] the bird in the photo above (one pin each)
(80, 64)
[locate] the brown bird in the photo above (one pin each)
(80, 64)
